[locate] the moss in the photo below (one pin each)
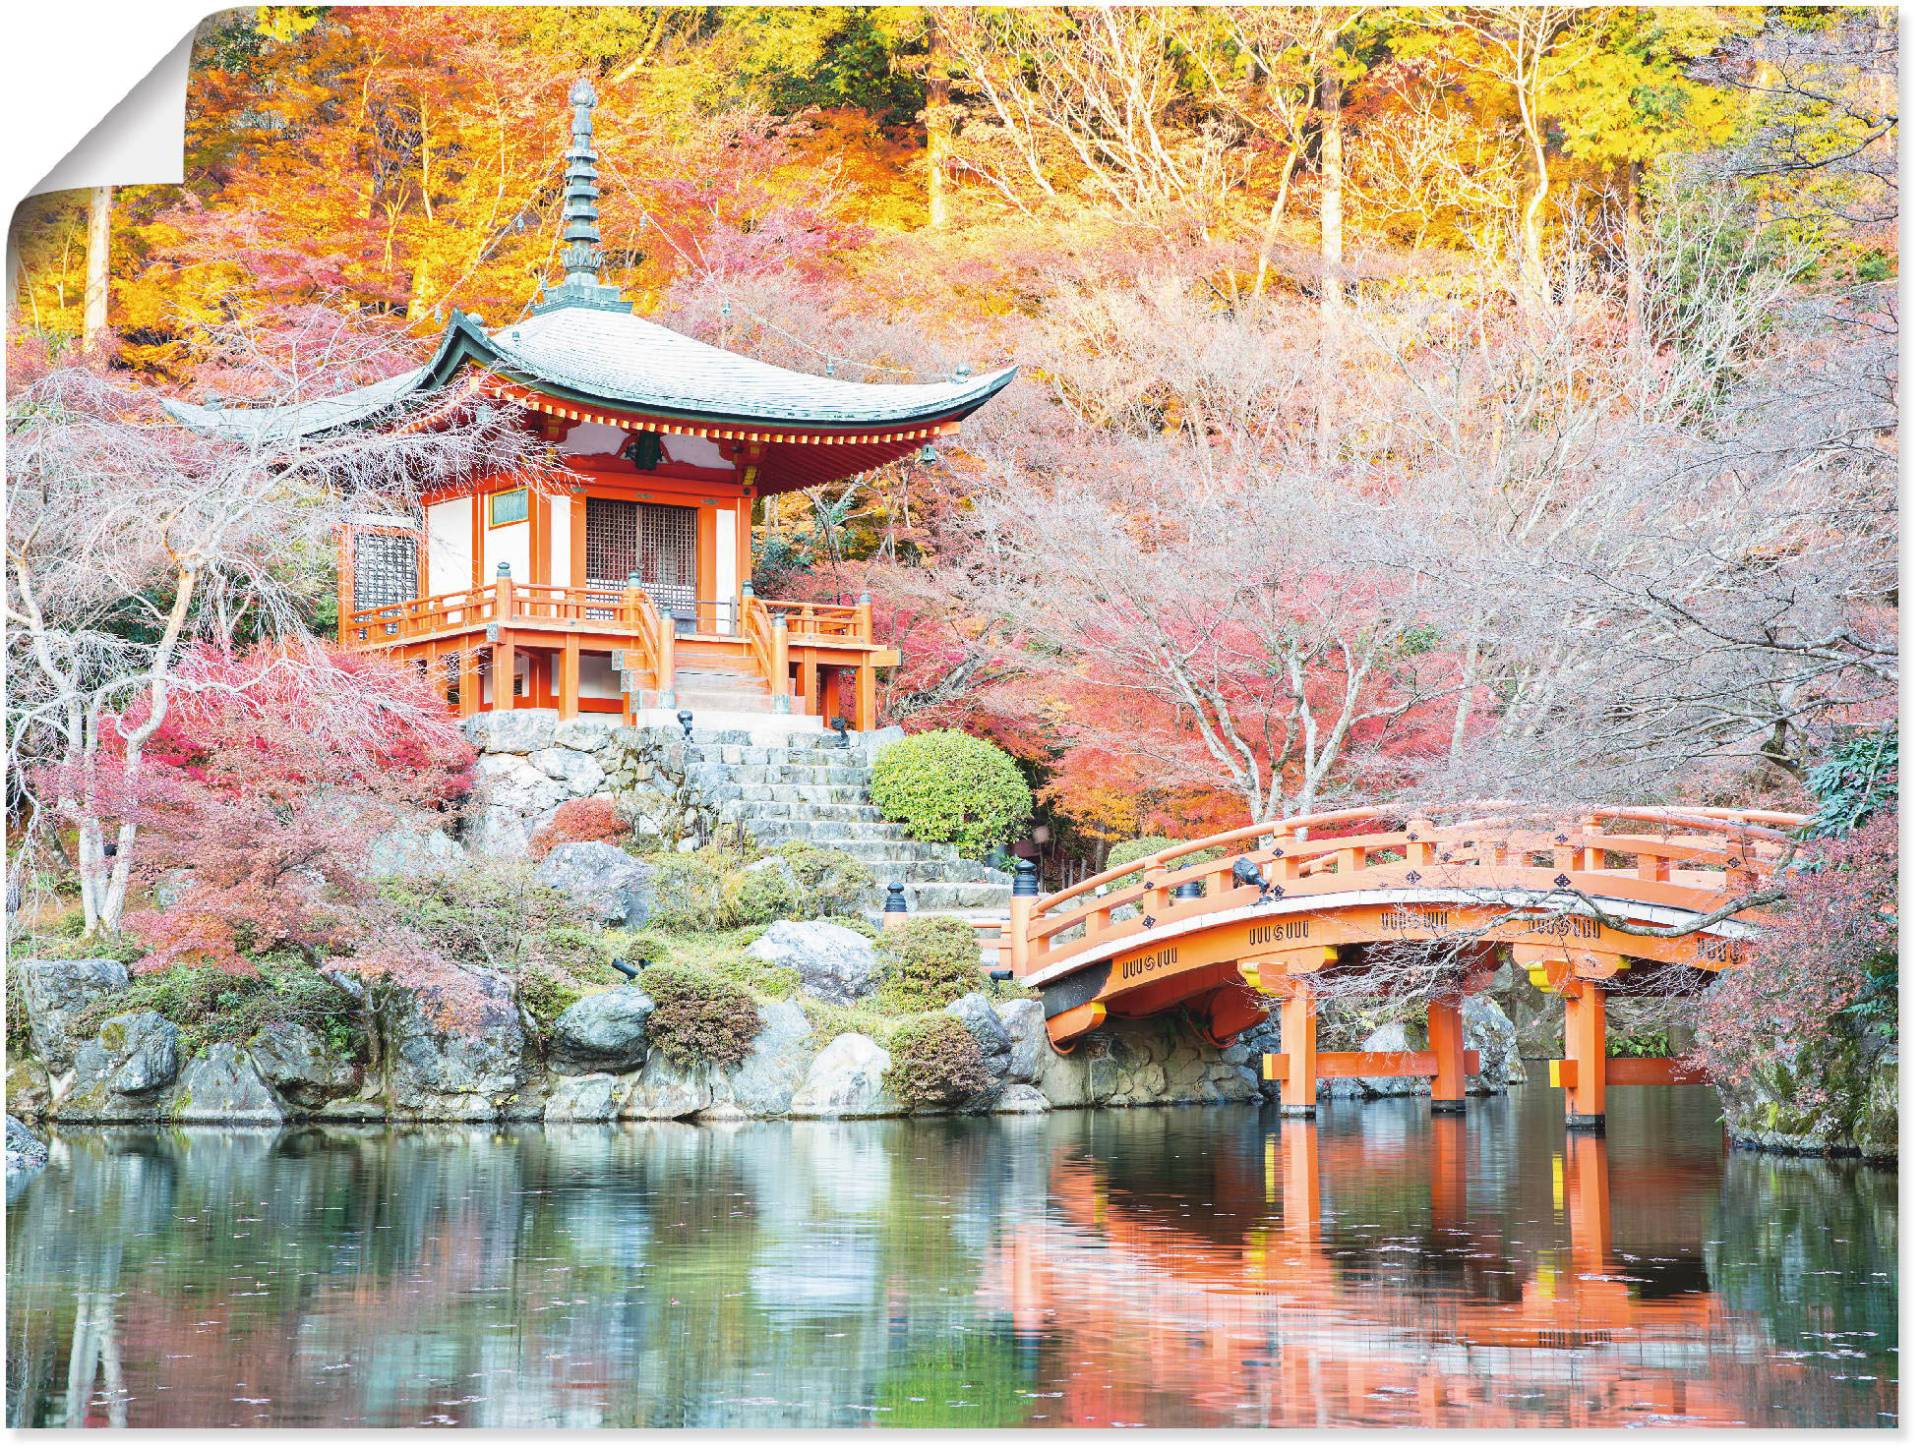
(759, 893)
(208, 1005)
(831, 883)
(928, 962)
(936, 1062)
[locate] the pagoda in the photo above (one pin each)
(631, 591)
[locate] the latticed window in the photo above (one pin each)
(386, 569)
(655, 540)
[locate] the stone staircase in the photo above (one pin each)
(809, 788)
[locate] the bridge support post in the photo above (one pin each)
(1300, 1052)
(1586, 1053)
(1446, 1040)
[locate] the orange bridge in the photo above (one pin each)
(1612, 901)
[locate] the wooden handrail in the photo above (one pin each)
(1715, 855)
(852, 622)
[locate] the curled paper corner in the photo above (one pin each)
(141, 141)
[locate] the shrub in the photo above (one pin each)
(936, 1061)
(210, 1005)
(951, 788)
(578, 821)
(1128, 850)
(689, 890)
(759, 893)
(832, 883)
(928, 962)
(699, 1018)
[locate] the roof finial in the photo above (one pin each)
(583, 285)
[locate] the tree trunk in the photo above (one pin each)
(1636, 253)
(1332, 246)
(93, 322)
(939, 121)
(1272, 233)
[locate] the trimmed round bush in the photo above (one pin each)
(951, 788)
(936, 1062)
(699, 1018)
(929, 962)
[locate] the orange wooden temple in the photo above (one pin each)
(630, 591)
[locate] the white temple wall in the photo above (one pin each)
(450, 545)
(726, 566)
(509, 545)
(560, 542)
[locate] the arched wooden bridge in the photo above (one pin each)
(1612, 900)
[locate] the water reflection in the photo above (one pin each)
(1185, 1267)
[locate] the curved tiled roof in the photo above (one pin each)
(623, 362)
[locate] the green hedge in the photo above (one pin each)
(951, 788)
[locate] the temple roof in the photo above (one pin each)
(584, 354)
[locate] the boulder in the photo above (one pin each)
(26, 1152)
(607, 884)
(54, 992)
(120, 1074)
(1394, 1036)
(408, 851)
(1833, 1094)
(589, 733)
(835, 964)
(763, 1084)
(976, 1012)
(297, 1063)
(845, 1082)
(1026, 1026)
(511, 798)
(582, 1098)
(667, 1090)
(222, 1084)
(580, 773)
(1020, 1100)
(29, 1092)
(607, 1031)
(513, 731)
(1485, 1027)
(458, 1061)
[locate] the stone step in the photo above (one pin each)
(800, 794)
(948, 898)
(824, 830)
(746, 773)
(773, 811)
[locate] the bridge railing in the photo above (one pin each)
(1693, 858)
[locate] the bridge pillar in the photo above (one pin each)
(1446, 1040)
(1586, 1057)
(1299, 1052)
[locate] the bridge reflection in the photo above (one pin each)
(1265, 1295)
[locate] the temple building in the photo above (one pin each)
(630, 592)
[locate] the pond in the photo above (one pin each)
(1185, 1267)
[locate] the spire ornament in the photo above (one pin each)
(583, 284)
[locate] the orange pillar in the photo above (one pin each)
(1447, 1172)
(504, 668)
(1586, 1051)
(1589, 1205)
(1299, 1047)
(1446, 1041)
(569, 689)
(1300, 1199)
(469, 681)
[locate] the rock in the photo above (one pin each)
(1020, 1100)
(582, 1097)
(845, 1081)
(351, 1112)
(607, 1031)
(222, 1084)
(577, 771)
(1485, 1027)
(511, 798)
(666, 1090)
(1026, 1026)
(976, 1012)
(1393, 1036)
(763, 1084)
(589, 733)
(409, 851)
(170, 888)
(513, 731)
(28, 1090)
(835, 964)
(26, 1152)
(298, 1064)
(1832, 1094)
(118, 1075)
(1876, 1130)
(607, 884)
(455, 1069)
(54, 992)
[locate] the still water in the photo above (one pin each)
(1154, 1267)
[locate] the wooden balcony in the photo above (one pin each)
(787, 647)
